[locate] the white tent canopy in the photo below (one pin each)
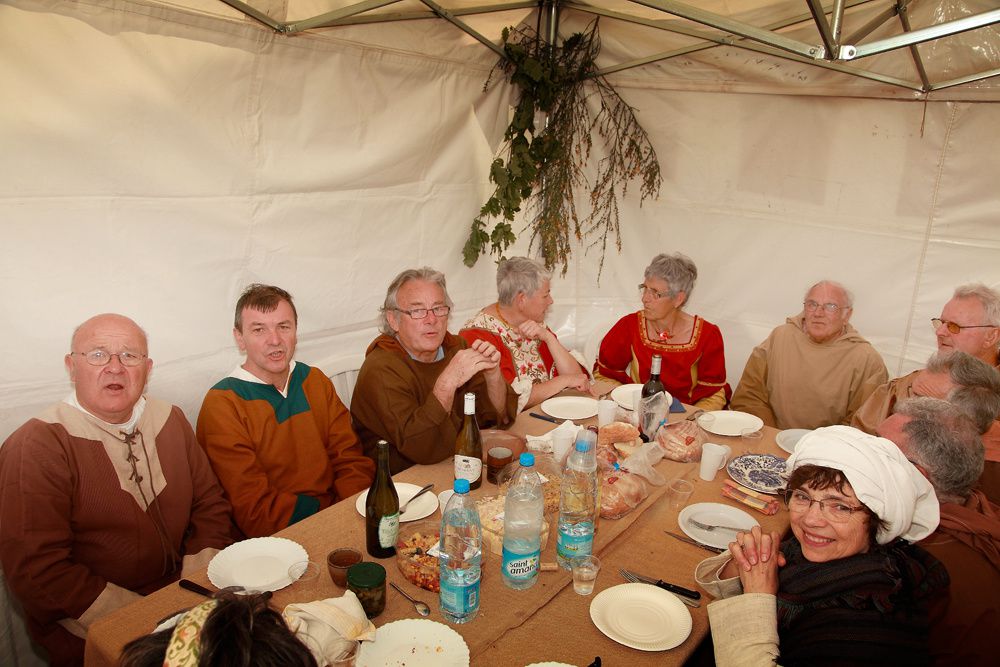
(159, 156)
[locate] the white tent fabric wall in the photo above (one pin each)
(155, 162)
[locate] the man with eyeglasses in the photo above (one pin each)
(275, 430)
(411, 386)
(815, 370)
(943, 443)
(105, 496)
(970, 322)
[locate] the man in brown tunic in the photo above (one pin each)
(814, 370)
(411, 385)
(105, 496)
(944, 445)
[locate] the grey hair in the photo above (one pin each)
(677, 270)
(944, 441)
(426, 274)
(848, 295)
(989, 298)
(519, 274)
(977, 385)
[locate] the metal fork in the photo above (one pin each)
(710, 528)
(632, 578)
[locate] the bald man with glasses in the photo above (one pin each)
(815, 369)
(105, 496)
(411, 386)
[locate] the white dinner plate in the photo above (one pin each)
(790, 437)
(714, 514)
(625, 395)
(760, 472)
(418, 509)
(570, 407)
(415, 642)
(258, 564)
(729, 422)
(550, 664)
(641, 616)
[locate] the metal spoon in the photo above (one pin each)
(416, 495)
(421, 607)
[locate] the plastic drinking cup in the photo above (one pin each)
(680, 492)
(585, 570)
(713, 458)
(606, 412)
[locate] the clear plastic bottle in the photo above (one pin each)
(522, 526)
(578, 501)
(461, 556)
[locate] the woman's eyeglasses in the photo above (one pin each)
(799, 502)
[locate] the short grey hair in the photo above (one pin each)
(848, 295)
(426, 274)
(519, 274)
(677, 270)
(977, 385)
(945, 443)
(989, 298)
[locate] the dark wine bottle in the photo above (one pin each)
(382, 509)
(652, 387)
(469, 447)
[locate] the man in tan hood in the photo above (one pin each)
(411, 386)
(815, 370)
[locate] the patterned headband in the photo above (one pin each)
(184, 648)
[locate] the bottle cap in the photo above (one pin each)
(461, 486)
(527, 459)
(582, 446)
(366, 575)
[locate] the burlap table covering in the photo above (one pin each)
(547, 622)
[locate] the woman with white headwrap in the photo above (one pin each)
(848, 587)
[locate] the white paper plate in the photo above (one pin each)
(624, 395)
(418, 509)
(258, 564)
(760, 472)
(550, 664)
(715, 514)
(641, 616)
(730, 422)
(570, 407)
(790, 437)
(415, 642)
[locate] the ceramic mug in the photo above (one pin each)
(713, 458)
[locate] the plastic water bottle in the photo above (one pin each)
(461, 556)
(522, 526)
(578, 501)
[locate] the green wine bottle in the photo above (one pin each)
(382, 509)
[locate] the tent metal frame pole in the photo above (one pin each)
(946, 29)
(426, 15)
(837, 20)
(735, 27)
(874, 24)
(256, 14)
(464, 27)
(823, 26)
(966, 79)
(324, 20)
(904, 20)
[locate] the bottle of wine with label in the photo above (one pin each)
(652, 387)
(469, 447)
(382, 509)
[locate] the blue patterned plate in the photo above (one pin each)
(760, 472)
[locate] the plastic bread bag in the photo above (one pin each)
(681, 441)
(621, 492)
(654, 412)
(640, 461)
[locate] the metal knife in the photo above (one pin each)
(546, 418)
(694, 415)
(673, 588)
(688, 540)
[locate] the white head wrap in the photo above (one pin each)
(880, 475)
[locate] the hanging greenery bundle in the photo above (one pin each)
(544, 165)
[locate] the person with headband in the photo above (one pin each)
(848, 587)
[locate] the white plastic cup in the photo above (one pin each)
(585, 570)
(562, 442)
(606, 411)
(680, 492)
(713, 457)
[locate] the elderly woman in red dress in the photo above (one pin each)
(532, 359)
(694, 362)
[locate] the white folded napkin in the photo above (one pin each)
(542, 444)
(328, 626)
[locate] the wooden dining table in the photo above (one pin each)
(548, 622)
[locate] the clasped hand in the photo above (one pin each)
(480, 356)
(758, 557)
